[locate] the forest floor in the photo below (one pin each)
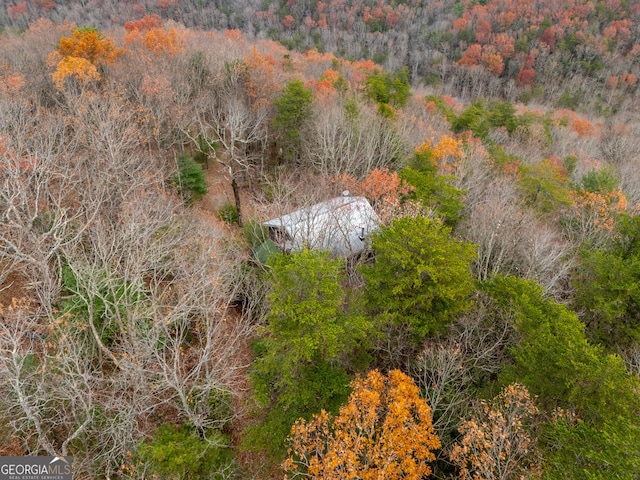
(13, 287)
(244, 405)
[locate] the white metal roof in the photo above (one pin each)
(339, 225)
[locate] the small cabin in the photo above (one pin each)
(340, 225)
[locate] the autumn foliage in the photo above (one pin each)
(487, 56)
(383, 188)
(262, 84)
(526, 77)
(384, 431)
(89, 44)
(149, 32)
(146, 23)
(80, 68)
(81, 55)
(92, 206)
(598, 210)
(11, 84)
(497, 443)
(446, 153)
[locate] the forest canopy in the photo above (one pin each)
(152, 326)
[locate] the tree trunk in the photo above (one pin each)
(236, 196)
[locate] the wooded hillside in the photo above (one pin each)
(490, 329)
(576, 54)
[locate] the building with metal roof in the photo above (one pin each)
(340, 225)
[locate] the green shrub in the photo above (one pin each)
(99, 298)
(543, 187)
(569, 163)
(600, 181)
(205, 147)
(190, 180)
(442, 107)
(432, 79)
(571, 100)
(255, 234)
(228, 213)
(176, 452)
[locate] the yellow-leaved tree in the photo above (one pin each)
(81, 55)
(384, 431)
(446, 154)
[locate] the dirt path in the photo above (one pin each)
(220, 192)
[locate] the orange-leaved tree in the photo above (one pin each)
(81, 55)
(382, 187)
(384, 431)
(149, 32)
(597, 204)
(596, 211)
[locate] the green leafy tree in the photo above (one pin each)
(576, 449)
(544, 186)
(421, 276)
(293, 112)
(389, 91)
(592, 397)
(482, 116)
(607, 288)
(604, 180)
(474, 118)
(431, 189)
(308, 344)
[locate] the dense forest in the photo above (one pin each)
(576, 53)
(489, 330)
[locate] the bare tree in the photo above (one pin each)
(449, 370)
(512, 240)
(145, 326)
(26, 405)
(352, 138)
(36, 218)
(128, 321)
(230, 122)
